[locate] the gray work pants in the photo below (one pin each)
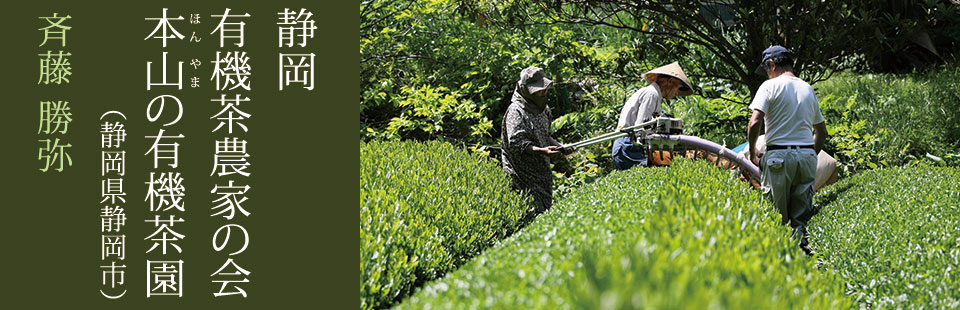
(787, 180)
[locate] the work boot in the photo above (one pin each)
(800, 232)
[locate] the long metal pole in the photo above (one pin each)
(608, 136)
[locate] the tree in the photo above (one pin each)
(732, 34)
(904, 35)
(426, 72)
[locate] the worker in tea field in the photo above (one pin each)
(665, 83)
(795, 132)
(526, 138)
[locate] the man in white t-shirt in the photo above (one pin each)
(795, 133)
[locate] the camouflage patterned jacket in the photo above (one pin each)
(525, 126)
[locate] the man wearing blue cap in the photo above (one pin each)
(795, 133)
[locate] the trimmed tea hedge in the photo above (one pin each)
(424, 209)
(686, 236)
(894, 236)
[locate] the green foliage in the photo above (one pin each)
(431, 112)
(587, 167)
(415, 80)
(424, 209)
(688, 236)
(903, 35)
(684, 236)
(732, 35)
(591, 162)
(424, 63)
(594, 121)
(877, 120)
(716, 119)
(893, 235)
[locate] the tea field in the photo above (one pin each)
(893, 235)
(424, 209)
(685, 237)
(441, 229)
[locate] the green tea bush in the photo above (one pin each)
(424, 209)
(893, 235)
(686, 236)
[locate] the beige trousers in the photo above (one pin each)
(787, 180)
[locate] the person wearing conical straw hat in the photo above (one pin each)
(665, 83)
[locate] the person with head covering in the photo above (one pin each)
(795, 131)
(665, 83)
(526, 140)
